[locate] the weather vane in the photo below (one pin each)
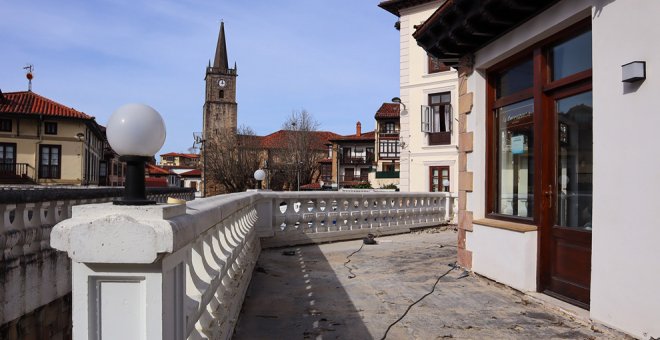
(29, 68)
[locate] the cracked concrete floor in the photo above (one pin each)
(308, 294)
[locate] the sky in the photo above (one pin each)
(337, 59)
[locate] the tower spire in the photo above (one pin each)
(221, 50)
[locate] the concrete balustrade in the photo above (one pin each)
(290, 218)
(181, 271)
(33, 274)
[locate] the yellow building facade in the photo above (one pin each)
(44, 142)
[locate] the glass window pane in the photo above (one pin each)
(515, 159)
(575, 161)
(45, 156)
(571, 56)
(515, 79)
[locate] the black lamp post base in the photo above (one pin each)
(134, 188)
(134, 202)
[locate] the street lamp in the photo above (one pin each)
(136, 132)
(260, 175)
(398, 101)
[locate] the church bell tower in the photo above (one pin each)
(220, 107)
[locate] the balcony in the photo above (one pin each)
(16, 173)
(387, 174)
(356, 160)
(182, 271)
(388, 133)
(351, 180)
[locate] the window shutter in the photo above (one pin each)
(427, 118)
(449, 120)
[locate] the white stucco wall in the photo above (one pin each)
(625, 260)
(505, 256)
(624, 278)
(415, 86)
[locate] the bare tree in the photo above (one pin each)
(298, 157)
(231, 160)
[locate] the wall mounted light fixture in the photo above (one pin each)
(633, 71)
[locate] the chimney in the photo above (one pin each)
(3, 99)
(358, 129)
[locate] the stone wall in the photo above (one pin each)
(52, 321)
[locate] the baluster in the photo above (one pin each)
(320, 216)
(293, 217)
(279, 217)
(332, 207)
(373, 213)
(32, 228)
(15, 232)
(308, 217)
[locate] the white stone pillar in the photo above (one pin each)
(121, 289)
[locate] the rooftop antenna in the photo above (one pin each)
(29, 68)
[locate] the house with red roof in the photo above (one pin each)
(275, 157)
(176, 159)
(157, 176)
(388, 145)
(45, 142)
(353, 158)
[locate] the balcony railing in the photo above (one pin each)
(177, 271)
(387, 174)
(354, 179)
(388, 133)
(369, 159)
(389, 155)
(16, 172)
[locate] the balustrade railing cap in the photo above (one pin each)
(46, 194)
(106, 233)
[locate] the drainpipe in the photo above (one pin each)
(36, 149)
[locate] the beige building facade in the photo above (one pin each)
(429, 92)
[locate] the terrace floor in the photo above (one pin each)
(307, 294)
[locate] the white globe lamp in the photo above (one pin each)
(136, 132)
(260, 175)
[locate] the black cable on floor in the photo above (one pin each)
(453, 266)
(348, 259)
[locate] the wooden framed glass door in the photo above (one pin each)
(569, 193)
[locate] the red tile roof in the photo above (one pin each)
(388, 110)
(192, 173)
(366, 136)
(184, 155)
(279, 139)
(156, 170)
(153, 182)
(28, 102)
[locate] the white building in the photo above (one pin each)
(429, 91)
(558, 190)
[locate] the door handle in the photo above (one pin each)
(548, 194)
